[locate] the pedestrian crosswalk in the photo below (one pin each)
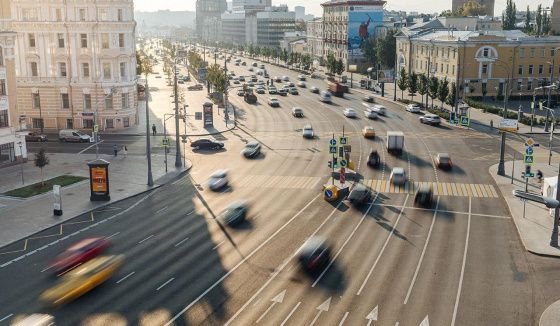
(439, 188)
(277, 181)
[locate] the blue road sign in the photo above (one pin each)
(343, 163)
(465, 121)
(529, 150)
(343, 140)
(528, 159)
(328, 193)
(332, 142)
(332, 149)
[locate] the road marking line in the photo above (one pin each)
(343, 319)
(454, 189)
(458, 297)
(449, 190)
(473, 188)
(46, 269)
(146, 239)
(484, 194)
(161, 210)
(8, 316)
(422, 255)
(383, 248)
(113, 235)
(87, 148)
(179, 243)
(494, 191)
(124, 278)
(164, 284)
(489, 191)
(444, 186)
(219, 244)
(290, 314)
(460, 190)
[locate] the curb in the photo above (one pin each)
(556, 319)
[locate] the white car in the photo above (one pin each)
(301, 84)
(398, 176)
(413, 108)
(308, 132)
(430, 119)
(218, 180)
(371, 114)
(379, 109)
(350, 113)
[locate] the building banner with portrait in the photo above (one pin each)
(362, 23)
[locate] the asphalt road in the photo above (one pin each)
(459, 263)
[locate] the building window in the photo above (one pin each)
(103, 14)
(29, 14)
(109, 102)
(121, 40)
(522, 52)
(485, 68)
(69, 123)
(88, 123)
(65, 101)
(37, 123)
(123, 69)
(552, 52)
(82, 13)
(31, 38)
(58, 14)
(126, 122)
(83, 40)
(4, 121)
(105, 41)
(453, 69)
(120, 15)
(484, 88)
(124, 98)
(60, 37)
(520, 70)
(519, 85)
(109, 123)
(106, 71)
(541, 69)
(87, 101)
(85, 70)
(529, 85)
(62, 69)
(530, 69)
(36, 100)
(543, 52)
(532, 52)
(34, 69)
(485, 52)
(3, 90)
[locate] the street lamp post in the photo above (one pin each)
(96, 116)
(20, 144)
(554, 236)
(501, 164)
(148, 146)
(178, 162)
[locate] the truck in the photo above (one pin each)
(337, 89)
(395, 142)
(249, 96)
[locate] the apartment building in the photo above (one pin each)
(314, 34)
(75, 61)
(484, 62)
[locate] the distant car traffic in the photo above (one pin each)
(36, 137)
(413, 108)
(350, 113)
(273, 101)
(301, 84)
(359, 195)
(371, 114)
(398, 176)
(297, 112)
(235, 214)
(368, 132)
(301, 77)
(205, 143)
(314, 89)
(308, 132)
(430, 119)
(374, 160)
(379, 109)
(240, 92)
(326, 97)
(314, 254)
(294, 91)
(285, 78)
(272, 90)
(218, 180)
(443, 161)
(424, 196)
(196, 87)
(282, 92)
(252, 149)
(368, 98)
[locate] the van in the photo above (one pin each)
(325, 97)
(72, 135)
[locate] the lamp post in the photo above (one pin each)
(148, 146)
(20, 144)
(178, 162)
(554, 236)
(501, 164)
(95, 126)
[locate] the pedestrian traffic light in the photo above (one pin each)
(527, 169)
(330, 164)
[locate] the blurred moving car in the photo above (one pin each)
(374, 159)
(368, 132)
(294, 91)
(301, 77)
(285, 78)
(413, 108)
(359, 195)
(272, 90)
(314, 89)
(273, 101)
(443, 161)
(242, 78)
(218, 180)
(379, 109)
(205, 143)
(297, 112)
(398, 176)
(36, 320)
(282, 92)
(301, 84)
(430, 119)
(260, 90)
(314, 254)
(78, 254)
(240, 92)
(424, 196)
(36, 137)
(368, 98)
(82, 279)
(308, 132)
(371, 114)
(196, 87)
(252, 149)
(235, 214)
(350, 113)
(326, 97)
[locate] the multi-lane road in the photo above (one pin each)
(459, 263)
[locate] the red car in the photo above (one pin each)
(443, 161)
(78, 254)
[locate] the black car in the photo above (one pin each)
(314, 255)
(36, 137)
(207, 144)
(424, 196)
(235, 214)
(368, 98)
(252, 149)
(374, 159)
(282, 92)
(360, 195)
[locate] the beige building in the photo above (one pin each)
(487, 4)
(314, 35)
(485, 62)
(555, 17)
(75, 60)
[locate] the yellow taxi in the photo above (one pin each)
(82, 279)
(368, 132)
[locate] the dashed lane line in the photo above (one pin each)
(124, 278)
(458, 297)
(164, 284)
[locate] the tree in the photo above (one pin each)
(450, 100)
(387, 49)
(331, 63)
(41, 160)
(527, 27)
(217, 78)
(508, 17)
(144, 65)
(402, 83)
(423, 83)
(473, 8)
(538, 20)
(339, 67)
(370, 49)
(412, 84)
(546, 23)
(443, 91)
(433, 88)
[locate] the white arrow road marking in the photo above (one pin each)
(322, 307)
(425, 322)
(290, 314)
(277, 299)
(372, 316)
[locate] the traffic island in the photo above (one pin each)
(44, 187)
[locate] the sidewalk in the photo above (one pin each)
(535, 228)
(22, 217)
(551, 315)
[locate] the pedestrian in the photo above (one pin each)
(125, 151)
(491, 123)
(539, 175)
(154, 130)
(115, 150)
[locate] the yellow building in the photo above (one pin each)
(484, 62)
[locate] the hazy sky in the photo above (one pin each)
(314, 6)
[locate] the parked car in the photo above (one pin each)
(72, 135)
(297, 112)
(413, 108)
(218, 180)
(252, 149)
(350, 113)
(430, 119)
(205, 143)
(36, 137)
(195, 87)
(443, 161)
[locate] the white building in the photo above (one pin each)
(251, 6)
(75, 60)
(300, 12)
(314, 45)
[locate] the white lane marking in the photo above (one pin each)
(462, 267)
(280, 268)
(425, 322)
(161, 210)
(322, 307)
(383, 248)
(219, 244)
(277, 299)
(164, 284)
(113, 235)
(290, 314)
(179, 243)
(146, 239)
(372, 316)
(180, 313)
(422, 255)
(256, 302)
(124, 278)
(189, 213)
(46, 269)
(85, 149)
(8, 316)
(445, 211)
(343, 319)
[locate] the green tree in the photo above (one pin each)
(370, 48)
(423, 84)
(41, 160)
(387, 49)
(217, 78)
(433, 88)
(450, 99)
(527, 27)
(443, 91)
(339, 67)
(508, 17)
(412, 84)
(402, 83)
(144, 65)
(546, 24)
(538, 20)
(331, 64)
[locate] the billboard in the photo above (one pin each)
(362, 23)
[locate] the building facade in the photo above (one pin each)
(314, 33)
(485, 63)
(251, 6)
(272, 24)
(555, 17)
(208, 11)
(75, 63)
(487, 4)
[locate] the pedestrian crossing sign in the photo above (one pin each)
(528, 159)
(343, 140)
(165, 142)
(332, 149)
(465, 121)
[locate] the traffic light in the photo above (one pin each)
(330, 164)
(527, 169)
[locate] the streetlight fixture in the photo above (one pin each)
(20, 144)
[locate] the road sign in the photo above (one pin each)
(530, 142)
(528, 159)
(165, 142)
(343, 140)
(96, 128)
(342, 178)
(465, 121)
(343, 163)
(332, 149)
(527, 175)
(328, 193)
(332, 142)
(529, 150)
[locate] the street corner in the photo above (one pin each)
(551, 315)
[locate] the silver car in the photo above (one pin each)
(218, 180)
(371, 114)
(430, 119)
(308, 132)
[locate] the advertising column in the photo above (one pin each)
(99, 180)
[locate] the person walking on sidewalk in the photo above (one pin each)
(154, 130)
(115, 150)
(125, 151)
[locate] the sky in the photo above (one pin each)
(314, 6)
